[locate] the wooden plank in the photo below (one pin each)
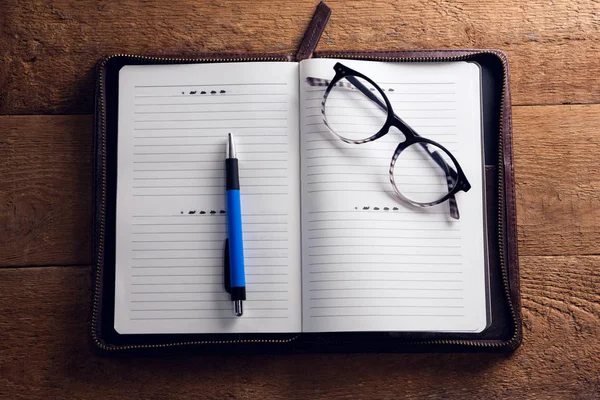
(51, 48)
(46, 168)
(558, 179)
(45, 201)
(45, 351)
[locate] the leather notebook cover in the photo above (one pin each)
(505, 331)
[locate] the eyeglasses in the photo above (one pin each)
(357, 111)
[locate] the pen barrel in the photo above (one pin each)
(236, 241)
(234, 231)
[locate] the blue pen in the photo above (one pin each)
(234, 229)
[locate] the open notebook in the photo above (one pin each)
(327, 245)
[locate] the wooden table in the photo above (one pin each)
(48, 52)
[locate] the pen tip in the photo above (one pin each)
(238, 308)
(231, 153)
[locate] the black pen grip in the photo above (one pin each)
(232, 176)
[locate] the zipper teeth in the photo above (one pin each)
(501, 217)
(100, 255)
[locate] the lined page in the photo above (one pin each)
(171, 217)
(370, 262)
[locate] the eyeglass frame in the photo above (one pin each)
(411, 137)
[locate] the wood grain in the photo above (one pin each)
(45, 201)
(45, 351)
(50, 48)
(558, 179)
(46, 166)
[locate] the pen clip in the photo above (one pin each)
(226, 268)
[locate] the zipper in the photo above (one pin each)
(98, 273)
(501, 217)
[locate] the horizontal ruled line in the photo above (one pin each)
(387, 229)
(329, 115)
(369, 165)
(368, 190)
(387, 315)
(206, 186)
(194, 292)
(384, 272)
(172, 275)
(362, 237)
(215, 96)
(202, 161)
(388, 306)
(204, 224)
(386, 254)
(180, 309)
(212, 309)
(175, 178)
(329, 156)
(215, 119)
(385, 262)
(216, 215)
(279, 168)
(198, 301)
(205, 266)
(205, 194)
(178, 241)
(264, 257)
(386, 297)
(391, 219)
(382, 288)
(384, 280)
(205, 111)
(176, 266)
(177, 170)
(411, 212)
(265, 240)
(234, 317)
(211, 292)
(202, 283)
(151, 250)
(176, 258)
(395, 100)
(212, 128)
(181, 301)
(433, 246)
(178, 233)
(265, 135)
(216, 274)
(175, 284)
(212, 102)
(212, 85)
(375, 127)
(219, 153)
(397, 110)
(442, 186)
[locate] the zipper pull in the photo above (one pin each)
(314, 32)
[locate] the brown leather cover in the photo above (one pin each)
(505, 331)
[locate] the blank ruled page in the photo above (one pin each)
(370, 262)
(171, 221)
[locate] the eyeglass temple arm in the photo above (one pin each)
(451, 174)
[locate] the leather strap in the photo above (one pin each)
(314, 32)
